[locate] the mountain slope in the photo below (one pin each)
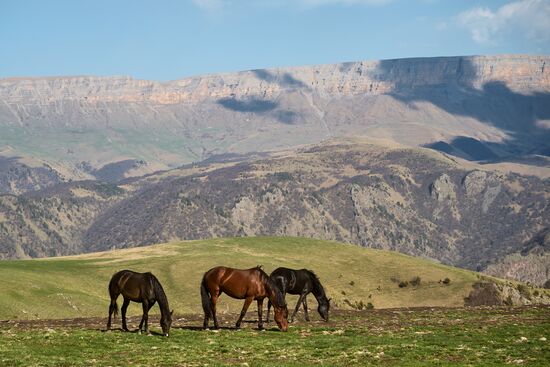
(478, 108)
(415, 201)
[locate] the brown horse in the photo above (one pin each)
(143, 288)
(250, 284)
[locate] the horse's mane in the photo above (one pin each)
(318, 289)
(266, 279)
(160, 295)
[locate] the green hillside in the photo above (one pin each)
(77, 286)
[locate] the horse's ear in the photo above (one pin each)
(171, 312)
(330, 299)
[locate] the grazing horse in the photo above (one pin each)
(250, 284)
(143, 288)
(301, 282)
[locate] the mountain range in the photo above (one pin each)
(444, 158)
(488, 108)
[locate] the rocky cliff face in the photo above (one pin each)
(519, 73)
(478, 108)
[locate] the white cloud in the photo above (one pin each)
(531, 18)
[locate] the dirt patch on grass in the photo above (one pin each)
(379, 321)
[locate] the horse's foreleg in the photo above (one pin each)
(142, 319)
(268, 309)
(260, 317)
(123, 312)
(305, 307)
(247, 303)
(297, 307)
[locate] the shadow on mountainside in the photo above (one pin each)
(494, 103)
(265, 106)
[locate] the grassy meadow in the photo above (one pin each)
(419, 337)
(77, 286)
(54, 311)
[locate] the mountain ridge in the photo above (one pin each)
(477, 108)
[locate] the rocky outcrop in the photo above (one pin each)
(489, 293)
(443, 189)
(531, 263)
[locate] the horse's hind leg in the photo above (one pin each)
(305, 308)
(213, 300)
(205, 322)
(112, 309)
(247, 303)
(123, 312)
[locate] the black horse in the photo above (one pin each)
(301, 282)
(143, 288)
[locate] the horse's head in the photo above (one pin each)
(281, 317)
(279, 304)
(323, 308)
(166, 323)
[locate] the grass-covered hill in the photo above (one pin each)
(77, 286)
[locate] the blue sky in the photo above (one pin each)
(165, 40)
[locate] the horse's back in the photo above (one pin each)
(225, 271)
(131, 284)
(237, 283)
(295, 280)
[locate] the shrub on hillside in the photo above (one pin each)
(415, 282)
(524, 291)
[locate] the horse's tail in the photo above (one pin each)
(205, 297)
(113, 292)
(114, 307)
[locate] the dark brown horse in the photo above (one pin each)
(143, 288)
(250, 284)
(301, 282)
